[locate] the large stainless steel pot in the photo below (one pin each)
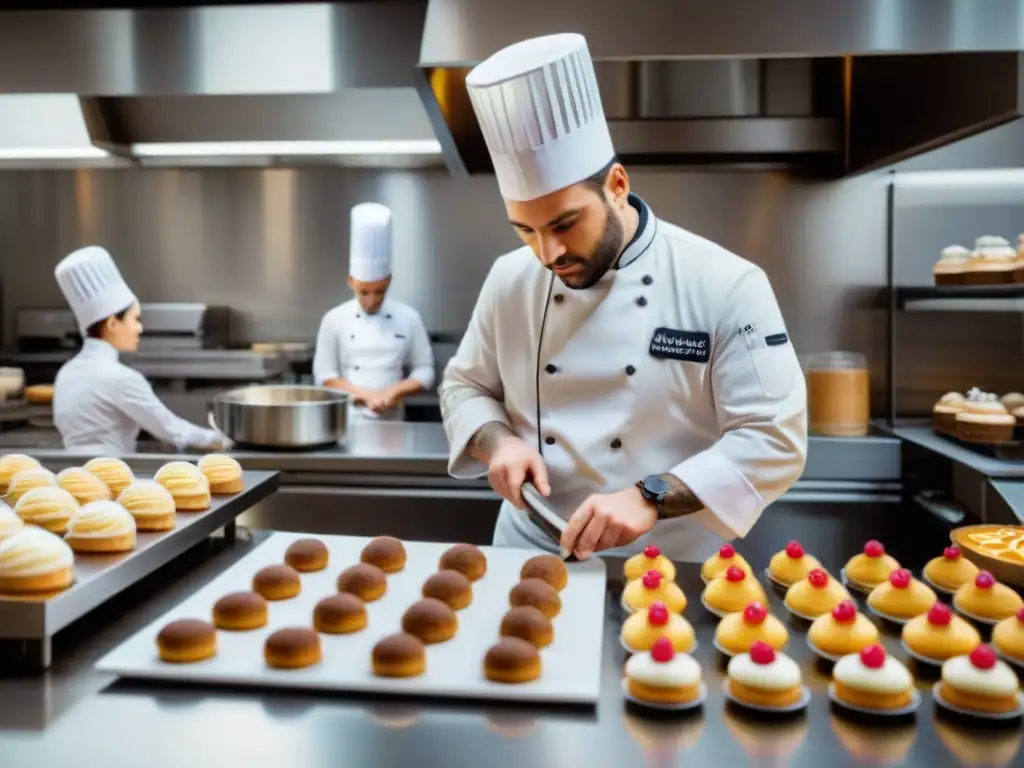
(281, 416)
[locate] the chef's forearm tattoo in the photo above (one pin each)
(679, 500)
(483, 443)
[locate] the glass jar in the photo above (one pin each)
(838, 394)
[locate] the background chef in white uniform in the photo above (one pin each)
(100, 404)
(365, 345)
(641, 375)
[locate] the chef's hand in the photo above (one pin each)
(608, 520)
(376, 400)
(393, 397)
(513, 462)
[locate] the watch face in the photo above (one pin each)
(656, 485)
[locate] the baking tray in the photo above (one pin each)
(98, 578)
(571, 664)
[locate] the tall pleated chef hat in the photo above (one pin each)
(92, 286)
(369, 257)
(540, 111)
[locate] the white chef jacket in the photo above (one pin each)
(677, 361)
(373, 351)
(100, 405)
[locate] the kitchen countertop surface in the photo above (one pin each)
(74, 715)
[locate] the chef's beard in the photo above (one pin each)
(605, 254)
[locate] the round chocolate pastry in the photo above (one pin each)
(365, 581)
(187, 640)
(385, 552)
(277, 582)
(339, 614)
(292, 648)
(466, 559)
(240, 612)
(307, 555)
(449, 587)
(512, 660)
(529, 624)
(549, 568)
(430, 620)
(399, 656)
(537, 593)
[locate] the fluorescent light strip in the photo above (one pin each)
(52, 153)
(286, 148)
(964, 178)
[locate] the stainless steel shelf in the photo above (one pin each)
(924, 437)
(961, 298)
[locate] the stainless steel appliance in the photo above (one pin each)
(281, 416)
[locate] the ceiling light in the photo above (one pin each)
(288, 148)
(52, 153)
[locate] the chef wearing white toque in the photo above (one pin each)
(365, 345)
(100, 404)
(639, 374)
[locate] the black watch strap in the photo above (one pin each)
(654, 488)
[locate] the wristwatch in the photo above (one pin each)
(653, 488)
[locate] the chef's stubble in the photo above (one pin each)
(606, 252)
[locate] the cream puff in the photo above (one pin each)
(49, 508)
(10, 523)
(27, 479)
(842, 631)
(662, 676)
(726, 557)
(951, 266)
(650, 559)
(101, 527)
(12, 464)
(944, 413)
(991, 262)
(873, 680)
(738, 632)
(223, 473)
(902, 596)
(1012, 400)
(1008, 637)
(83, 485)
(871, 567)
(815, 596)
(643, 628)
(35, 560)
(979, 682)
(939, 635)
(187, 484)
(113, 472)
(983, 419)
(791, 564)
(150, 504)
(732, 591)
(764, 678)
(640, 594)
(987, 599)
(950, 570)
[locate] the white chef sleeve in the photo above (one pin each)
(760, 402)
(471, 391)
(139, 402)
(421, 354)
(326, 357)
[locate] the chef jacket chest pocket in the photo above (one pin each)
(771, 360)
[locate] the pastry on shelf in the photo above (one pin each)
(549, 568)
(340, 614)
(944, 413)
(39, 394)
(101, 527)
(842, 631)
(35, 560)
(529, 624)
(12, 464)
(539, 594)
(512, 660)
(10, 523)
(641, 593)
(150, 504)
(240, 612)
(791, 564)
(187, 641)
(650, 559)
(467, 559)
(27, 479)
(871, 567)
(83, 485)
(939, 634)
(113, 472)
(385, 552)
(643, 628)
(307, 555)
(726, 558)
(732, 591)
(399, 655)
(902, 596)
(1008, 636)
(816, 595)
(738, 632)
(950, 570)
(49, 508)
(663, 675)
(188, 486)
(1012, 400)
(984, 419)
(292, 648)
(980, 682)
(987, 599)
(223, 473)
(871, 679)
(951, 266)
(992, 262)
(764, 677)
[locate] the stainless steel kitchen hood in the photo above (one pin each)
(814, 87)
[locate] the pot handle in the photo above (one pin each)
(210, 419)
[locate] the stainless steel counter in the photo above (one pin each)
(75, 714)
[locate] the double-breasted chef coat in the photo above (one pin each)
(373, 351)
(676, 361)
